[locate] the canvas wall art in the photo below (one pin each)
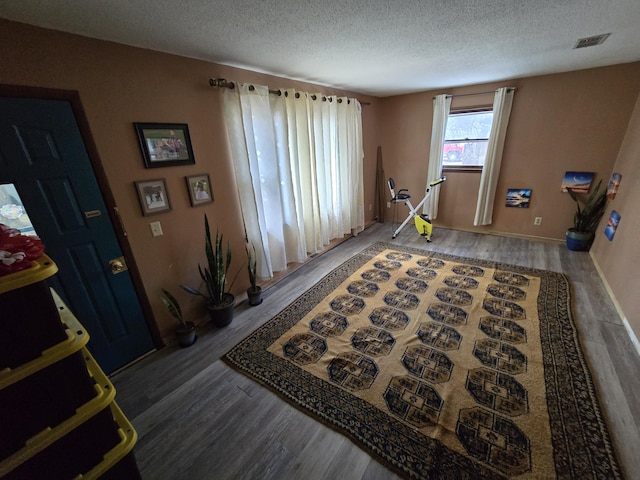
(579, 182)
(518, 197)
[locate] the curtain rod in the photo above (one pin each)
(478, 93)
(221, 82)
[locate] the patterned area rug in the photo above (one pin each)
(440, 367)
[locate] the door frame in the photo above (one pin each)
(73, 97)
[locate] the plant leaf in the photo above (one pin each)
(192, 291)
(172, 305)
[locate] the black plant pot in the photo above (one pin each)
(186, 335)
(255, 295)
(221, 315)
(579, 241)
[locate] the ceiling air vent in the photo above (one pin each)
(591, 41)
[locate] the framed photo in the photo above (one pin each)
(165, 144)
(153, 196)
(199, 189)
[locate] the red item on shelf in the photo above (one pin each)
(17, 251)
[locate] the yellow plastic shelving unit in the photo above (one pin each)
(102, 403)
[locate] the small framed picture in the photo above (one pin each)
(614, 184)
(165, 144)
(612, 225)
(153, 196)
(518, 197)
(579, 182)
(199, 189)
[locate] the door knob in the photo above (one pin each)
(117, 265)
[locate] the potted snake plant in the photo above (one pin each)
(254, 292)
(586, 219)
(220, 300)
(185, 331)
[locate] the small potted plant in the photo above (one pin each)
(586, 218)
(220, 300)
(254, 292)
(186, 331)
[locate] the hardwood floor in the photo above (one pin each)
(198, 419)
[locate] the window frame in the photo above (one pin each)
(465, 168)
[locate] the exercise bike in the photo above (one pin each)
(421, 220)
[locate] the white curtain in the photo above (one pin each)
(299, 170)
(489, 180)
(441, 107)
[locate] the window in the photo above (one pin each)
(12, 211)
(466, 139)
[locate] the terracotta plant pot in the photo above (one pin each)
(255, 295)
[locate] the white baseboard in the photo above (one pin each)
(500, 234)
(631, 333)
(623, 318)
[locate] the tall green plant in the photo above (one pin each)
(214, 275)
(586, 219)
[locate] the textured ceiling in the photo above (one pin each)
(379, 47)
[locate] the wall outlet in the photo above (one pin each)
(156, 229)
(388, 204)
(537, 221)
(370, 207)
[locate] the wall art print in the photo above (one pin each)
(579, 182)
(612, 225)
(518, 197)
(614, 184)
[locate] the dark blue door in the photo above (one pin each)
(43, 155)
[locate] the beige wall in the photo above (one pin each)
(119, 85)
(619, 259)
(559, 123)
(563, 122)
(573, 121)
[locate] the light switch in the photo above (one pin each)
(156, 229)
